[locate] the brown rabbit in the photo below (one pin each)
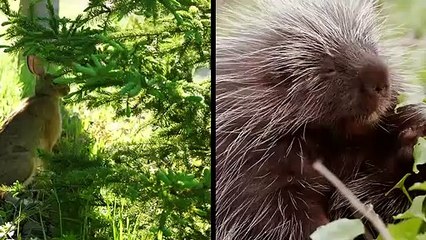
(37, 124)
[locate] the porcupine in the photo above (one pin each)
(375, 180)
(297, 81)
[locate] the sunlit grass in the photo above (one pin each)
(10, 88)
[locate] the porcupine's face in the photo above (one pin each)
(349, 86)
(358, 90)
(295, 63)
(333, 66)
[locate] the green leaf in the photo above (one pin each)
(96, 61)
(419, 153)
(415, 211)
(163, 177)
(5, 23)
(197, 163)
(401, 185)
(193, 10)
(144, 178)
(405, 230)
(86, 70)
(195, 99)
(198, 37)
(200, 212)
(129, 86)
(342, 229)
(418, 186)
(159, 235)
(207, 177)
(64, 80)
(191, 184)
(137, 89)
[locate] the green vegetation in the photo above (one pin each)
(133, 161)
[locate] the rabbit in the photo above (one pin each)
(37, 124)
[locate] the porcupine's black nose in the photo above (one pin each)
(373, 77)
(373, 85)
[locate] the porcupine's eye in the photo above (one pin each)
(329, 71)
(328, 67)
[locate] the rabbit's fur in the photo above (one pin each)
(37, 124)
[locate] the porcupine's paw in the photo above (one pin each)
(408, 138)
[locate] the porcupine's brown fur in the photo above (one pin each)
(297, 81)
(374, 181)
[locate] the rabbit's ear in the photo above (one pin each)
(35, 65)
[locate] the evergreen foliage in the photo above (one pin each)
(137, 58)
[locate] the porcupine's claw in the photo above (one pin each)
(408, 138)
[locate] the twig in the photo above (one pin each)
(355, 202)
(367, 234)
